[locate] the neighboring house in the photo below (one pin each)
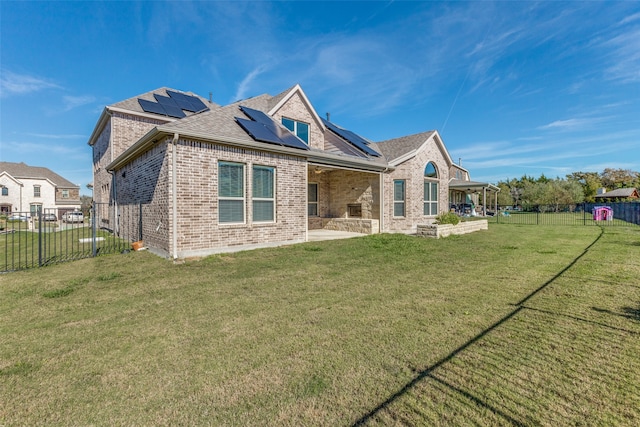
(34, 189)
(618, 195)
(259, 172)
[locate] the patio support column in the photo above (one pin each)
(484, 201)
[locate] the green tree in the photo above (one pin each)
(590, 182)
(563, 192)
(504, 196)
(619, 178)
(85, 202)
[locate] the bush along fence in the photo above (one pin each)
(37, 239)
(603, 214)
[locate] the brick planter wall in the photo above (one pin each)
(444, 230)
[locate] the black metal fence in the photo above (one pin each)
(29, 240)
(603, 214)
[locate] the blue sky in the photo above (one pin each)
(513, 88)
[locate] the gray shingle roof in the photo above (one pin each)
(132, 104)
(219, 122)
(398, 147)
(22, 170)
(620, 192)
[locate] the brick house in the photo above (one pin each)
(30, 189)
(258, 172)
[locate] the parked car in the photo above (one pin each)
(49, 217)
(18, 217)
(73, 217)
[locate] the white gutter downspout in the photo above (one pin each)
(174, 196)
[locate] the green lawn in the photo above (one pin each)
(22, 248)
(514, 325)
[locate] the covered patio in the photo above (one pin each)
(343, 199)
(474, 189)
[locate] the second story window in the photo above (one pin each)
(65, 194)
(5, 191)
(300, 129)
(36, 191)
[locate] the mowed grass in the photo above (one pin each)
(21, 248)
(515, 325)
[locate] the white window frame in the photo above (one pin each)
(398, 202)
(234, 198)
(313, 202)
(65, 194)
(264, 199)
(37, 191)
(430, 200)
(295, 128)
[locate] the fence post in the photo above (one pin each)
(40, 238)
(537, 214)
(94, 245)
(584, 213)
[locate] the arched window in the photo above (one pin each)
(431, 190)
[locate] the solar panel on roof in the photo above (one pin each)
(287, 138)
(151, 107)
(258, 131)
(185, 104)
(264, 128)
(351, 137)
(165, 100)
(157, 108)
(256, 115)
(198, 104)
(174, 111)
(188, 102)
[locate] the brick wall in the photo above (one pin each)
(144, 181)
(412, 171)
(101, 158)
(127, 129)
(199, 230)
(148, 180)
(295, 108)
(73, 196)
(120, 132)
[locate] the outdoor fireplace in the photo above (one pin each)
(354, 210)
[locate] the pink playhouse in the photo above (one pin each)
(603, 213)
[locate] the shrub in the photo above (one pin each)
(448, 218)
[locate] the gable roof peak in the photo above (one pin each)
(279, 100)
